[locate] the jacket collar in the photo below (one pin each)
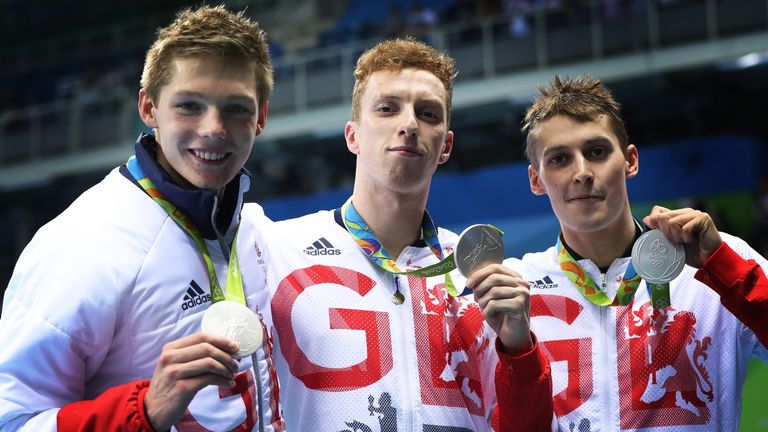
(211, 215)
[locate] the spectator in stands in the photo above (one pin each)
(356, 336)
(114, 288)
(626, 364)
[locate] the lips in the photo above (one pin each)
(209, 155)
(406, 150)
(585, 198)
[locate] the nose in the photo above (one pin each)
(409, 125)
(212, 125)
(583, 171)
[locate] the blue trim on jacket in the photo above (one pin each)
(199, 204)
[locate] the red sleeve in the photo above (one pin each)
(523, 391)
(119, 408)
(742, 286)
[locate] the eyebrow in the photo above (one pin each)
(229, 98)
(591, 141)
(393, 97)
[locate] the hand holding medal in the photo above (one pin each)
(502, 294)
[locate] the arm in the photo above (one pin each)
(118, 408)
(523, 391)
(523, 378)
(56, 330)
(741, 283)
(185, 366)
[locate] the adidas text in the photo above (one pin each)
(205, 298)
(545, 283)
(315, 252)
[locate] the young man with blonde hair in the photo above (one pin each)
(101, 320)
(361, 346)
(627, 359)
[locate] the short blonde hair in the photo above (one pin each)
(582, 98)
(208, 31)
(397, 54)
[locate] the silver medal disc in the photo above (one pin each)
(234, 321)
(657, 260)
(478, 246)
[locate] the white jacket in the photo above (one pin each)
(633, 368)
(352, 360)
(99, 291)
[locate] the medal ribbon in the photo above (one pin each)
(366, 239)
(584, 283)
(235, 290)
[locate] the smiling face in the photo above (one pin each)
(401, 135)
(583, 171)
(205, 120)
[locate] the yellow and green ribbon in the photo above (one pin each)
(235, 290)
(363, 235)
(630, 281)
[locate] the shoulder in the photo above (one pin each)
(310, 222)
(545, 258)
(92, 249)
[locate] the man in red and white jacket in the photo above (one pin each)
(631, 366)
(360, 347)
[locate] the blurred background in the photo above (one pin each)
(691, 75)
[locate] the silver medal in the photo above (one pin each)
(657, 260)
(234, 321)
(478, 246)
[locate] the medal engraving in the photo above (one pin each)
(234, 321)
(478, 246)
(657, 260)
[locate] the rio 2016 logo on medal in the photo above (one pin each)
(657, 260)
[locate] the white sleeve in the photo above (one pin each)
(56, 327)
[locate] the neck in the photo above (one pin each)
(394, 217)
(603, 246)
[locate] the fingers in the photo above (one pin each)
(184, 367)
(652, 219)
(494, 274)
(504, 299)
(198, 354)
(221, 342)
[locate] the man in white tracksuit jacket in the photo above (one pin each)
(100, 326)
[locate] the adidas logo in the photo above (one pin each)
(322, 247)
(545, 283)
(195, 296)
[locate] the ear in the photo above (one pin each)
(350, 131)
(147, 109)
(261, 122)
(448, 147)
(632, 161)
(536, 186)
